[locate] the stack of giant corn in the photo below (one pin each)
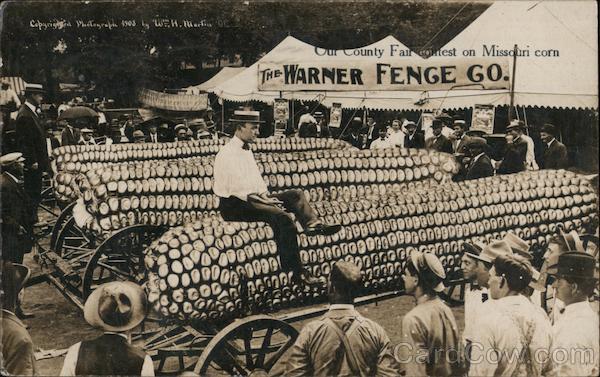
(195, 270)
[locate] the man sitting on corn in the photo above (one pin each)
(244, 196)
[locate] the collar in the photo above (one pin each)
(478, 156)
(341, 307)
(116, 333)
(577, 307)
(237, 142)
(513, 300)
(31, 107)
(462, 137)
(516, 139)
(551, 141)
(13, 177)
(11, 315)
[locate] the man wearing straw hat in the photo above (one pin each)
(342, 342)
(116, 308)
(31, 141)
(244, 196)
(17, 347)
(576, 331)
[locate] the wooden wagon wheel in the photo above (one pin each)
(120, 257)
(64, 216)
(251, 345)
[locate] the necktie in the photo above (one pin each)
(484, 297)
(246, 146)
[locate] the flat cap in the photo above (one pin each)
(476, 142)
(138, 133)
(430, 267)
(494, 250)
(549, 129)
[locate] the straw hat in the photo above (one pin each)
(116, 306)
(429, 267)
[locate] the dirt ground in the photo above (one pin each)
(58, 323)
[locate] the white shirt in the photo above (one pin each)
(576, 331)
(500, 334)
(101, 118)
(236, 172)
(473, 305)
(72, 356)
(396, 138)
(153, 137)
(530, 156)
(32, 108)
(89, 142)
(306, 118)
(381, 144)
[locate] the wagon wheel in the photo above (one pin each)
(60, 223)
(253, 344)
(174, 348)
(454, 294)
(120, 257)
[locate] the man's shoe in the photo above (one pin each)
(306, 278)
(23, 315)
(323, 229)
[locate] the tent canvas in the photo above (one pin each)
(569, 80)
(208, 86)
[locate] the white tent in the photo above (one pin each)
(569, 80)
(208, 86)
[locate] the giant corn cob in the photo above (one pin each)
(195, 271)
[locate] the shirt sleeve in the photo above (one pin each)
(23, 362)
(298, 363)
(387, 365)
(148, 367)
(70, 362)
(222, 179)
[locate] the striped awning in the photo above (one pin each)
(16, 83)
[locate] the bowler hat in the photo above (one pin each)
(437, 123)
(429, 267)
(574, 264)
(493, 250)
(11, 158)
(246, 116)
(34, 89)
(549, 129)
(116, 306)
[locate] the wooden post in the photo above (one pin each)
(512, 86)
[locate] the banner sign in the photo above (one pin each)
(380, 75)
(281, 111)
(335, 115)
(483, 119)
(173, 102)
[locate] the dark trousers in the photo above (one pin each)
(13, 245)
(32, 182)
(284, 228)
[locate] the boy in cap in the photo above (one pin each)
(244, 196)
(181, 132)
(576, 331)
(17, 347)
(342, 342)
(429, 330)
(516, 150)
(513, 327)
(116, 308)
(555, 152)
(438, 141)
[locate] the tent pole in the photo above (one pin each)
(512, 85)
(223, 117)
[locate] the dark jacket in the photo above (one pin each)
(417, 141)
(70, 136)
(109, 354)
(460, 148)
(514, 157)
(16, 220)
(555, 156)
(440, 144)
(481, 168)
(31, 139)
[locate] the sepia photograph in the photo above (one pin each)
(299, 188)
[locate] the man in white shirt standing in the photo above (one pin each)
(576, 331)
(244, 196)
(514, 338)
(383, 142)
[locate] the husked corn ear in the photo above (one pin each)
(379, 232)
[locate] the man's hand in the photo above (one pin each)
(34, 166)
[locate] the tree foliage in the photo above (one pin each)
(121, 59)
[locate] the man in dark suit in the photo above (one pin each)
(516, 150)
(438, 141)
(480, 165)
(16, 216)
(70, 135)
(555, 152)
(413, 139)
(460, 139)
(370, 132)
(31, 141)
